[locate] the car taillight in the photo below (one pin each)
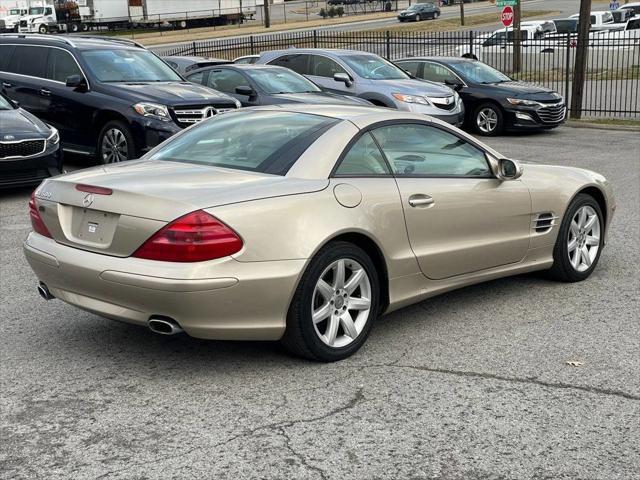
(195, 237)
(36, 220)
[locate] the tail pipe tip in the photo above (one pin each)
(44, 292)
(164, 326)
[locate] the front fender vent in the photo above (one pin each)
(543, 222)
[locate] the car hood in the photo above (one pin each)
(414, 87)
(165, 190)
(320, 97)
(20, 124)
(167, 93)
(530, 91)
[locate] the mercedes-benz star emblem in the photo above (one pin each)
(87, 200)
(209, 112)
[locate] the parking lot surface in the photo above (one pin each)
(471, 384)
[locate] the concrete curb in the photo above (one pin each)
(601, 126)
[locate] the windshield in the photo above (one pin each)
(4, 104)
(374, 68)
(282, 80)
(14, 11)
(479, 72)
(128, 66)
(259, 141)
(36, 11)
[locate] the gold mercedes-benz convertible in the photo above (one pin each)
(305, 223)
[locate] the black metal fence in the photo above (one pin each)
(612, 86)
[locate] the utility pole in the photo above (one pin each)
(461, 12)
(517, 46)
(582, 50)
(267, 17)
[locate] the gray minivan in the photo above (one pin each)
(369, 76)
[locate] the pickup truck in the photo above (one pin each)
(600, 21)
(500, 41)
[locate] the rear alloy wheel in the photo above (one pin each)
(418, 17)
(488, 119)
(115, 143)
(334, 306)
(580, 240)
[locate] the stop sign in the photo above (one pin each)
(507, 16)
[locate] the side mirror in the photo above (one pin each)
(245, 90)
(457, 86)
(507, 169)
(75, 81)
(344, 78)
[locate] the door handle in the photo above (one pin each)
(421, 200)
(7, 85)
(44, 92)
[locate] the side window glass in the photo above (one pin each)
(196, 77)
(5, 56)
(61, 65)
(438, 73)
(226, 80)
(363, 158)
(324, 67)
(411, 67)
(28, 60)
(414, 149)
(297, 63)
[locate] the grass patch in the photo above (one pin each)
(446, 24)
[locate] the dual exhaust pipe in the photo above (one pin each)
(157, 324)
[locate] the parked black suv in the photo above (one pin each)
(110, 98)
(29, 149)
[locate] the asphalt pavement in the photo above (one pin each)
(473, 384)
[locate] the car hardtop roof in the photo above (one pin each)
(238, 66)
(195, 58)
(80, 42)
(441, 59)
(353, 113)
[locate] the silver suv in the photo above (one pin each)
(371, 77)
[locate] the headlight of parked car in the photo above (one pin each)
(53, 139)
(523, 103)
(153, 110)
(411, 98)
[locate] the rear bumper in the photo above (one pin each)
(29, 171)
(222, 299)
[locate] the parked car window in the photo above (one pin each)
(226, 80)
(173, 65)
(373, 67)
(28, 60)
(411, 67)
(324, 67)
(196, 77)
(4, 104)
(263, 141)
(298, 63)
(363, 158)
(61, 65)
(5, 56)
(128, 66)
(480, 72)
(414, 149)
(634, 24)
(276, 80)
(438, 73)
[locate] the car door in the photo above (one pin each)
(66, 108)
(226, 80)
(321, 72)
(459, 217)
(23, 76)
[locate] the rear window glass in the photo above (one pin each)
(265, 142)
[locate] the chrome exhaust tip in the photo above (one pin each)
(44, 292)
(164, 326)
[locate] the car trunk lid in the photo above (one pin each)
(138, 198)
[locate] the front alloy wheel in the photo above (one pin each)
(115, 143)
(583, 239)
(487, 120)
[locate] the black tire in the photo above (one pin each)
(562, 269)
(74, 27)
(436, 15)
(418, 17)
(126, 133)
(42, 29)
(499, 126)
(300, 337)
